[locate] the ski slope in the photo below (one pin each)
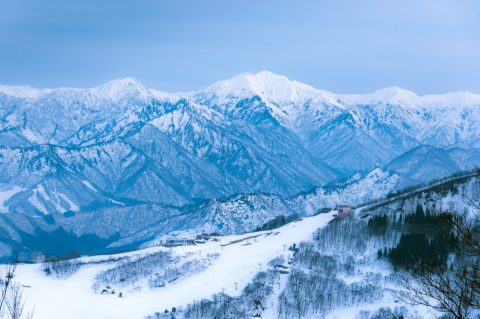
(237, 264)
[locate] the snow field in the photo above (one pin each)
(236, 266)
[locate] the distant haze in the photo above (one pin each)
(341, 46)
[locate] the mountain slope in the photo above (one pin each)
(423, 163)
(118, 224)
(465, 159)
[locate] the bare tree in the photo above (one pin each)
(12, 301)
(445, 291)
(6, 280)
(16, 302)
(455, 289)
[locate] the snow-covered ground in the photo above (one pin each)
(236, 266)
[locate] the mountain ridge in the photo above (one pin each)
(255, 133)
(257, 82)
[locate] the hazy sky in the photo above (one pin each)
(175, 45)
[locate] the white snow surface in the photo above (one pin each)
(73, 298)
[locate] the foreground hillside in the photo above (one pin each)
(200, 271)
(319, 266)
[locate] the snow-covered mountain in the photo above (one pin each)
(125, 151)
(125, 143)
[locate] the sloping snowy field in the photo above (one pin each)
(236, 266)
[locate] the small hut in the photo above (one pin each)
(344, 211)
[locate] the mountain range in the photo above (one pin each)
(123, 147)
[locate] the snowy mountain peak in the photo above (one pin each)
(113, 90)
(20, 91)
(267, 85)
(452, 99)
(395, 93)
(389, 95)
(117, 89)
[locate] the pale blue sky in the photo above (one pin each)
(341, 46)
